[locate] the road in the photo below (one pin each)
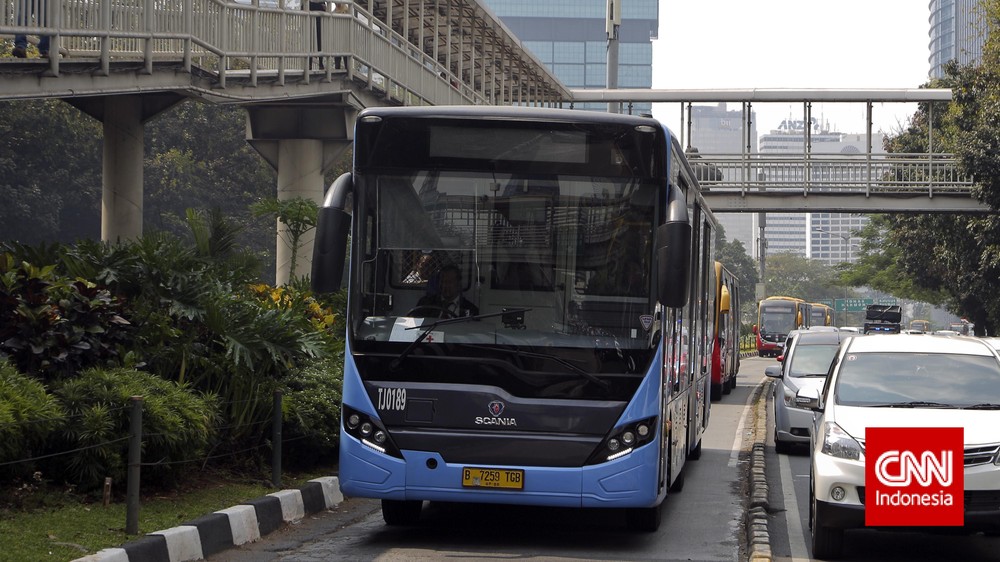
(703, 522)
(788, 524)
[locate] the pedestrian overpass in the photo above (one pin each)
(303, 76)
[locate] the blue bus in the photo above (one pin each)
(522, 285)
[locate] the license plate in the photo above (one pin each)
(492, 478)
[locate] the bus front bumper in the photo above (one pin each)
(628, 481)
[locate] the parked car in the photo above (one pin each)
(887, 382)
(805, 363)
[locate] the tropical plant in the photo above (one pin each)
(28, 417)
(311, 407)
(297, 215)
(51, 326)
(178, 426)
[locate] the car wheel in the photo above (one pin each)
(396, 512)
(827, 542)
(643, 519)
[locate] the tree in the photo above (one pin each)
(952, 259)
(734, 256)
(297, 215)
(880, 263)
(792, 275)
(197, 157)
(50, 173)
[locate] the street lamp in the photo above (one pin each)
(846, 238)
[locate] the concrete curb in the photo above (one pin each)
(756, 515)
(222, 530)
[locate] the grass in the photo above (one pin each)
(63, 526)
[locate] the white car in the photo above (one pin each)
(901, 381)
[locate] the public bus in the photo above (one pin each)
(820, 314)
(726, 347)
(584, 242)
(776, 316)
(963, 327)
(923, 326)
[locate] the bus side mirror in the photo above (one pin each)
(673, 258)
(724, 300)
(332, 228)
(754, 329)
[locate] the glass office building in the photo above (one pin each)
(570, 37)
(957, 32)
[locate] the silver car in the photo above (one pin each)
(804, 364)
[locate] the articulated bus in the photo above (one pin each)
(776, 316)
(820, 314)
(580, 250)
(726, 347)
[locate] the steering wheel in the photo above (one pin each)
(431, 311)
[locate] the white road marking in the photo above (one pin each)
(734, 451)
(796, 536)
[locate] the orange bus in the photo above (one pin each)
(821, 315)
(726, 348)
(776, 316)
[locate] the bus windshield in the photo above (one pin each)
(574, 253)
(777, 318)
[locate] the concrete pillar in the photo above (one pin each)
(121, 203)
(300, 174)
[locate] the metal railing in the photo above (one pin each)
(862, 174)
(256, 40)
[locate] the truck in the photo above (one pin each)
(883, 319)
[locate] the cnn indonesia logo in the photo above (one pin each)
(914, 476)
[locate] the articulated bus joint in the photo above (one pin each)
(370, 432)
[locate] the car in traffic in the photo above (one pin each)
(804, 364)
(903, 382)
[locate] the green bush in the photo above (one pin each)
(178, 426)
(311, 405)
(53, 326)
(28, 417)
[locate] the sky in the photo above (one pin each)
(798, 44)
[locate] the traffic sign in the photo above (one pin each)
(859, 305)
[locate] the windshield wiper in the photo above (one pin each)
(587, 375)
(983, 406)
(441, 321)
(913, 404)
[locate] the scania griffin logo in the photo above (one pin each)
(496, 408)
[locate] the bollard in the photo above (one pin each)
(134, 458)
(276, 441)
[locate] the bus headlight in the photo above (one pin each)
(623, 440)
(370, 432)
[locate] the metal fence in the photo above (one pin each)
(867, 174)
(252, 40)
